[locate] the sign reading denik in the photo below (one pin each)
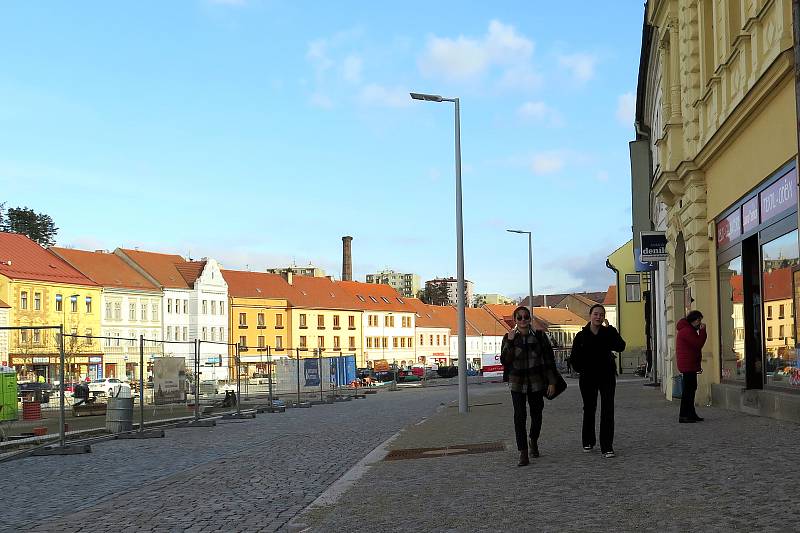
(653, 246)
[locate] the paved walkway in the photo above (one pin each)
(731, 472)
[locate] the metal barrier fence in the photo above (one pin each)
(60, 387)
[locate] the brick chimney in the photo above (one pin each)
(347, 259)
(287, 275)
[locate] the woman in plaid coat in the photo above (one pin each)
(528, 356)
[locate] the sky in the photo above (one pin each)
(260, 132)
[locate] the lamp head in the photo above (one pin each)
(426, 97)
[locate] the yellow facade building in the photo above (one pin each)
(43, 290)
(630, 309)
(715, 152)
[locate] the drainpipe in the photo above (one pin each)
(619, 310)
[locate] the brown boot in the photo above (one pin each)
(523, 458)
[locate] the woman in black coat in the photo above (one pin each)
(592, 357)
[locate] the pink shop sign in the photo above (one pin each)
(729, 228)
(750, 218)
(779, 196)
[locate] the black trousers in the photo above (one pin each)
(590, 387)
(687, 397)
(536, 402)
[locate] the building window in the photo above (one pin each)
(205, 333)
(185, 333)
(303, 320)
(278, 321)
(769, 333)
(336, 345)
(780, 332)
(37, 301)
(769, 312)
(420, 340)
(222, 308)
(243, 343)
(351, 322)
(385, 342)
(88, 305)
(278, 342)
(262, 342)
(444, 340)
(117, 311)
(37, 336)
(23, 300)
(320, 342)
(411, 342)
(320, 321)
(352, 343)
(169, 305)
(438, 340)
(242, 320)
(369, 342)
(132, 311)
(302, 341)
(186, 307)
(108, 308)
(336, 322)
(143, 309)
(781, 311)
(23, 336)
(402, 342)
(205, 307)
(633, 291)
(169, 332)
(73, 303)
(213, 307)
(154, 312)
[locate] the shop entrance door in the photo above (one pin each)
(751, 279)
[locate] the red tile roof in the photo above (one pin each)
(190, 270)
(162, 267)
(22, 258)
(777, 284)
(323, 293)
(376, 296)
(611, 296)
(105, 269)
(243, 284)
(485, 322)
(427, 316)
(4, 305)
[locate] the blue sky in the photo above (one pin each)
(260, 132)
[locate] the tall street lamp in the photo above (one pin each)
(530, 267)
(463, 404)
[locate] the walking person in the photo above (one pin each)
(688, 350)
(592, 357)
(530, 369)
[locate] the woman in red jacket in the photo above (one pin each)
(688, 349)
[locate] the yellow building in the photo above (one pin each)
(715, 152)
(630, 310)
(43, 290)
(260, 320)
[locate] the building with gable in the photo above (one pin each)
(44, 290)
(130, 307)
(194, 303)
(431, 334)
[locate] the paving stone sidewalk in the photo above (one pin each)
(731, 472)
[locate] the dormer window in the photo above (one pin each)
(373, 299)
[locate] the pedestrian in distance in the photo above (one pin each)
(530, 369)
(593, 359)
(689, 343)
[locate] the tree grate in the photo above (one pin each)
(457, 449)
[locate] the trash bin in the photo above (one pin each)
(677, 386)
(119, 415)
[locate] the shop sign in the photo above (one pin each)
(95, 359)
(653, 246)
(779, 196)
(40, 360)
(750, 215)
(729, 228)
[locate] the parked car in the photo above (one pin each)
(35, 391)
(106, 386)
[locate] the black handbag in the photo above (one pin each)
(561, 386)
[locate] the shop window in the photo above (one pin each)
(731, 302)
(779, 258)
(633, 291)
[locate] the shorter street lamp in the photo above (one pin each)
(530, 267)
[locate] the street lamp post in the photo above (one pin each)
(530, 268)
(463, 401)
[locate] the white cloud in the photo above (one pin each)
(601, 176)
(466, 58)
(547, 162)
(321, 100)
(351, 68)
(580, 65)
(626, 109)
(541, 113)
(378, 95)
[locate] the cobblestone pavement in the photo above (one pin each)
(252, 475)
(732, 472)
